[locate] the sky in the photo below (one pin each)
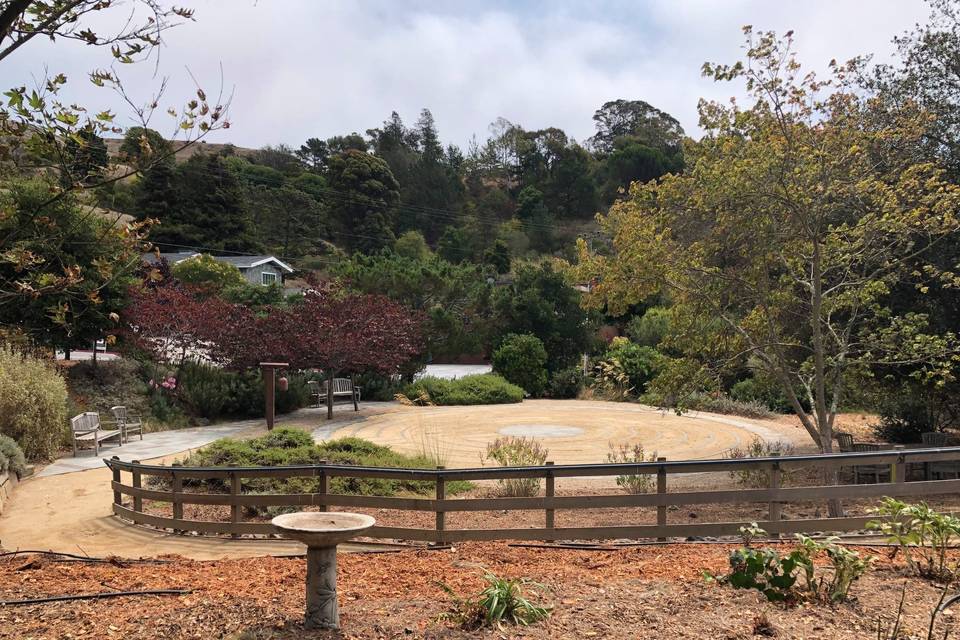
(315, 68)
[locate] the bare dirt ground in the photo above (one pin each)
(642, 592)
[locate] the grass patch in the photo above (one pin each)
(286, 446)
(483, 388)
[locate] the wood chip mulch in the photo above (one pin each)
(635, 592)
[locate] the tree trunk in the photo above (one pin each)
(330, 396)
(831, 475)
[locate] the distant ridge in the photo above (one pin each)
(113, 148)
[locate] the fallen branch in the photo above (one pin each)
(97, 596)
(79, 558)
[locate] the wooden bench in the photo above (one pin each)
(128, 423)
(86, 427)
(342, 388)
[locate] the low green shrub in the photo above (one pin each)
(12, 459)
(651, 328)
(285, 446)
(922, 534)
(377, 387)
(763, 392)
(904, 418)
(522, 360)
(566, 383)
(713, 403)
(502, 600)
(625, 454)
(484, 388)
(33, 404)
(639, 363)
(511, 451)
(210, 392)
(758, 448)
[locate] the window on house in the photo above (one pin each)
(268, 278)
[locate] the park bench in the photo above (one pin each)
(86, 427)
(342, 388)
(128, 423)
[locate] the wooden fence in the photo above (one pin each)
(898, 460)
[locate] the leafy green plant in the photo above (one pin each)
(511, 451)
(501, 601)
(639, 363)
(758, 448)
(522, 359)
(566, 383)
(922, 534)
(611, 380)
(625, 454)
(469, 390)
(12, 459)
(33, 404)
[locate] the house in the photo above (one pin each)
(264, 270)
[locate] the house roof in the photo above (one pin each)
(240, 262)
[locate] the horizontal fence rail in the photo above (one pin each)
(896, 464)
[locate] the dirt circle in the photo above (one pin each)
(574, 431)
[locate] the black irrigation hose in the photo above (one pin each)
(81, 558)
(97, 596)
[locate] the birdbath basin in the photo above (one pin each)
(322, 532)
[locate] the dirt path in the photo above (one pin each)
(72, 513)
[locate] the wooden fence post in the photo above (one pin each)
(661, 490)
(774, 506)
(137, 483)
(441, 495)
(117, 496)
(549, 492)
(176, 490)
(235, 490)
(324, 488)
(898, 469)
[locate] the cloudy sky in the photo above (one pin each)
(316, 68)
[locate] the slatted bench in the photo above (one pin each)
(86, 428)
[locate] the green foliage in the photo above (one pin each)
(33, 404)
(210, 392)
(370, 195)
(650, 329)
(761, 391)
(566, 383)
(511, 451)
(498, 256)
(208, 272)
(97, 386)
(778, 577)
(922, 534)
(411, 244)
(143, 147)
(522, 360)
(904, 417)
(287, 446)
(758, 448)
(625, 454)
(474, 389)
(640, 364)
(254, 295)
(501, 601)
(12, 459)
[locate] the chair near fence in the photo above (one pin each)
(877, 471)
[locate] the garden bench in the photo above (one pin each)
(875, 470)
(342, 388)
(128, 423)
(86, 427)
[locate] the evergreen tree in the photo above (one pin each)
(367, 195)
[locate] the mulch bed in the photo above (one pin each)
(638, 592)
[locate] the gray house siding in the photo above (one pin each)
(254, 275)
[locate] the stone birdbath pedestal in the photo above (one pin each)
(322, 532)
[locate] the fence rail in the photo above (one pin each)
(898, 460)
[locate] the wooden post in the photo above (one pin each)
(117, 496)
(330, 395)
(137, 483)
(549, 492)
(324, 488)
(441, 495)
(774, 505)
(235, 490)
(898, 470)
(661, 490)
(177, 489)
(269, 370)
(353, 392)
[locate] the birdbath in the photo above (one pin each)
(322, 532)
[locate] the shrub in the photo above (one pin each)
(207, 272)
(761, 391)
(625, 454)
(758, 448)
(639, 363)
(651, 328)
(210, 392)
(12, 459)
(566, 383)
(904, 417)
(378, 387)
(33, 404)
(522, 359)
(511, 451)
(923, 535)
(203, 389)
(713, 403)
(285, 446)
(481, 388)
(501, 601)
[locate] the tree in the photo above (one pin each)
(142, 147)
(367, 195)
(208, 274)
(787, 233)
(411, 244)
(540, 302)
(86, 158)
(67, 287)
(521, 359)
(498, 256)
(636, 119)
(534, 214)
(314, 153)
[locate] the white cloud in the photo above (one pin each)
(304, 68)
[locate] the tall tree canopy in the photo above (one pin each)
(366, 195)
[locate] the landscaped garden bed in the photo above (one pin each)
(641, 592)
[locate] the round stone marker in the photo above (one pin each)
(322, 532)
(540, 431)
